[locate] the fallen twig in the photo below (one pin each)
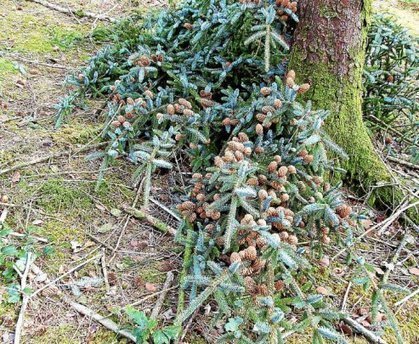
(156, 223)
(403, 162)
(159, 303)
(109, 324)
(71, 12)
(407, 298)
(21, 235)
(51, 156)
(65, 274)
(383, 224)
(105, 271)
(25, 300)
(371, 336)
(166, 209)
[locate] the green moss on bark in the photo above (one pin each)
(341, 94)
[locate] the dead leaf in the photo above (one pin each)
(105, 228)
(150, 287)
(16, 177)
(37, 222)
(414, 271)
(322, 291)
(346, 329)
(75, 246)
(365, 323)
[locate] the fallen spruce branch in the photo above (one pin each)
(71, 12)
(52, 156)
(109, 324)
(156, 223)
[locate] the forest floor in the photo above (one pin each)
(53, 202)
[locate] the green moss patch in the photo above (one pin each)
(26, 32)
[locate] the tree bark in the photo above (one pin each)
(328, 52)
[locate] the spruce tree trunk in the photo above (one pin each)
(328, 52)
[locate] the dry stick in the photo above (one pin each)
(403, 162)
(105, 270)
(3, 216)
(137, 196)
(51, 156)
(150, 296)
(408, 297)
(386, 223)
(166, 209)
(109, 324)
(362, 330)
(159, 303)
(156, 223)
(65, 274)
(43, 64)
(393, 262)
(67, 11)
(25, 300)
(21, 235)
(345, 298)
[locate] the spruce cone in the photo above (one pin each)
(258, 264)
(284, 197)
(290, 82)
(282, 171)
(185, 103)
(188, 112)
(277, 103)
(272, 166)
(149, 94)
(266, 109)
(260, 117)
(249, 284)
(235, 257)
(170, 109)
(292, 169)
(303, 88)
(243, 137)
(265, 91)
(344, 211)
(279, 285)
(249, 253)
(291, 74)
(259, 129)
(262, 194)
(262, 289)
(278, 159)
(308, 159)
(292, 240)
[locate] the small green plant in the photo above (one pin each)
(146, 330)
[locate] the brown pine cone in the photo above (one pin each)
(265, 91)
(282, 171)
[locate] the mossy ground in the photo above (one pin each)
(56, 200)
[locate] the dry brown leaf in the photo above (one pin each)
(16, 177)
(346, 329)
(150, 287)
(414, 271)
(322, 290)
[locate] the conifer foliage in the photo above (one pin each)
(190, 78)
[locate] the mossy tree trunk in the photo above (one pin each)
(328, 52)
